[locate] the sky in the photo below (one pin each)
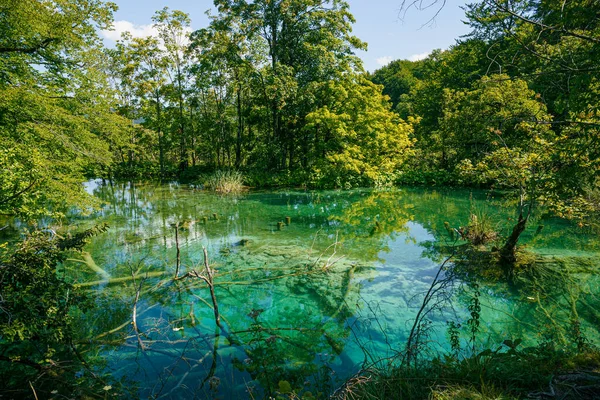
(390, 33)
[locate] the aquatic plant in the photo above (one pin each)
(562, 364)
(225, 182)
(480, 230)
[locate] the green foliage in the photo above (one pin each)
(412, 174)
(363, 142)
(497, 114)
(55, 122)
(38, 309)
(45, 148)
(480, 229)
(36, 301)
(52, 34)
(500, 134)
(263, 79)
(398, 79)
(468, 393)
(273, 87)
(504, 373)
(143, 170)
(261, 179)
(545, 30)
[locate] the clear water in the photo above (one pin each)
(306, 303)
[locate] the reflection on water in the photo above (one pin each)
(309, 285)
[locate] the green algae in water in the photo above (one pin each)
(306, 304)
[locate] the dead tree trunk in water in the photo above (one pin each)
(178, 251)
(210, 282)
(508, 255)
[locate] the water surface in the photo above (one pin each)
(305, 303)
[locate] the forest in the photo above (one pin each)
(162, 154)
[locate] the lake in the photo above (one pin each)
(310, 285)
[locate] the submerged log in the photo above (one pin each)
(89, 261)
(111, 281)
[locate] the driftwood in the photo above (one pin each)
(208, 277)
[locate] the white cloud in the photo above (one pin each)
(120, 27)
(419, 57)
(383, 61)
(141, 31)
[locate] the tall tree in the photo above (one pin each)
(173, 31)
(508, 142)
(52, 94)
(358, 139)
(303, 42)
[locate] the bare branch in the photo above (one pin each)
(29, 50)
(544, 26)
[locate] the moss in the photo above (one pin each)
(468, 393)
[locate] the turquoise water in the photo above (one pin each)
(305, 303)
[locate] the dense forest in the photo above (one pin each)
(275, 90)
(272, 92)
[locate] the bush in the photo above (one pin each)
(142, 170)
(261, 179)
(38, 312)
(505, 373)
(195, 173)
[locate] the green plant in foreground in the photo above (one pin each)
(38, 311)
(507, 372)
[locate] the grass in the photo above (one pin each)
(225, 182)
(496, 376)
(480, 230)
(467, 393)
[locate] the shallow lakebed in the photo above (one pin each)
(309, 285)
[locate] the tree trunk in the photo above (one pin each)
(161, 150)
(508, 252)
(238, 144)
(274, 106)
(192, 136)
(183, 159)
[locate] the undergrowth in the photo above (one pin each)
(504, 373)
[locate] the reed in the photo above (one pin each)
(225, 182)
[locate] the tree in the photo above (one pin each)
(222, 73)
(553, 44)
(52, 94)
(510, 144)
(49, 34)
(139, 72)
(358, 138)
(302, 42)
(398, 78)
(173, 31)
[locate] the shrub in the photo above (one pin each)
(38, 312)
(195, 173)
(425, 177)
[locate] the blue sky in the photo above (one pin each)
(390, 34)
